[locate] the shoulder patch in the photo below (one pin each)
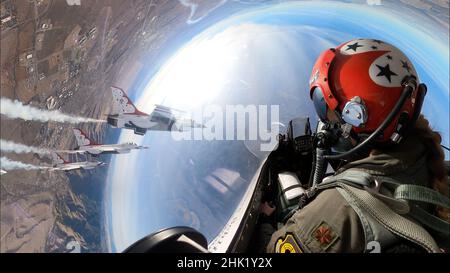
(287, 245)
(324, 235)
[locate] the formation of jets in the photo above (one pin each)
(88, 146)
(125, 115)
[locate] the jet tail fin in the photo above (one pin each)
(122, 104)
(82, 138)
(57, 159)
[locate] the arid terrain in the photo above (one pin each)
(60, 56)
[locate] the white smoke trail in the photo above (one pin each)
(8, 164)
(16, 109)
(12, 147)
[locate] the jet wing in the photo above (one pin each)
(67, 167)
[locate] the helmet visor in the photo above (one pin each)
(319, 103)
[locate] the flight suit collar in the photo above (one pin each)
(405, 162)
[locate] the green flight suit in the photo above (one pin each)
(330, 224)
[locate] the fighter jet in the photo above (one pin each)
(163, 118)
(2, 172)
(89, 146)
(60, 164)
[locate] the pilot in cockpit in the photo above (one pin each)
(392, 192)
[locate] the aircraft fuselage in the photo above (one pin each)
(88, 165)
(109, 148)
(141, 123)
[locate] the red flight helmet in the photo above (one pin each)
(362, 80)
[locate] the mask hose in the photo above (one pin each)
(320, 167)
(320, 163)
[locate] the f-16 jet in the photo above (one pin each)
(60, 164)
(85, 144)
(163, 118)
